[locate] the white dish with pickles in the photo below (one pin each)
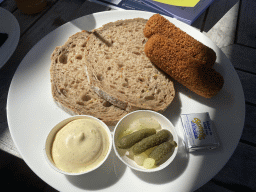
(145, 141)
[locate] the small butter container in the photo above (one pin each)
(198, 132)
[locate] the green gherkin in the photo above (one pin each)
(151, 141)
(129, 140)
(162, 152)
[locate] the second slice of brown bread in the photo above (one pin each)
(120, 72)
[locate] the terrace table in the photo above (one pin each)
(230, 24)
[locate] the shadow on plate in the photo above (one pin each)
(174, 110)
(106, 175)
(223, 100)
(171, 172)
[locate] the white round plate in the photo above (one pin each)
(31, 113)
(9, 25)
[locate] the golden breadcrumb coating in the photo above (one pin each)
(157, 24)
(203, 80)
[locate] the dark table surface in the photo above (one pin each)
(230, 24)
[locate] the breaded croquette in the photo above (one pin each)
(203, 80)
(157, 24)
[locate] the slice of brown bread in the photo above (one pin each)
(70, 88)
(120, 72)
